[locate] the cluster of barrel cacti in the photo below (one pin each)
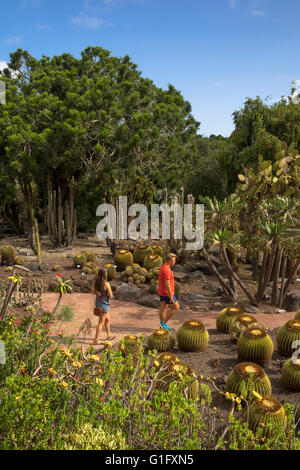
(86, 261)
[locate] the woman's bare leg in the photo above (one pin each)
(107, 324)
(99, 327)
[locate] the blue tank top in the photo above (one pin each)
(102, 299)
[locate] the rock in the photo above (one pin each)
(178, 268)
(127, 292)
(197, 275)
(82, 236)
(151, 301)
(188, 298)
(213, 289)
(203, 266)
(200, 307)
(38, 266)
(249, 308)
(280, 310)
(181, 277)
(292, 302)
(25, 251)
(267, 294)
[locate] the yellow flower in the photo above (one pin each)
(207, 378)
(257, 395)
(64, 384)
(100, 382)
(93, 357)
(52, 371)
(76, 364)
(262, 425)
(238, 400)
(156, 363)
(68, 354)
(180, 376)
(142, 373)
(201, 376)
(214, 378)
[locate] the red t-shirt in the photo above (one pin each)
(165, 272)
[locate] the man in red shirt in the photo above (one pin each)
(166, 291)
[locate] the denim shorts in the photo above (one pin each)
(167, 299)
(105, 307)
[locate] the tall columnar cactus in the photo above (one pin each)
(226, 317)
(266, 411)
(246, 377)
(290, 374)
(192, 336)
(61, 219)
(161, 340)
(240, 324)
(255, 345)
(286, 335)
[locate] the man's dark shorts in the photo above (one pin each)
(167, 299)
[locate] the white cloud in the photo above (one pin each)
(233, 3)
(3, 65)
(87, 22)
(13, 39)
(258, 13)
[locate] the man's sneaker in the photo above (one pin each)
(165, 326)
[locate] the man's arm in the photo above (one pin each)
(168, 287)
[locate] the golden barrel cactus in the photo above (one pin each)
(161, 340)
(140, 253)
(246, 377)
(226, 317)
(286, 335)
(152, 261)
(254, 344)
(240, 324)
(123, 258)
(192, 336)
(268, 413)
(290, 374)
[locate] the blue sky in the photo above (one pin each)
(216, 52)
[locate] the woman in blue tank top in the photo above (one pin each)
(101, 288)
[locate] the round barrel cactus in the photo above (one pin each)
(254, 344)
(286, 335)
(180, 373)
(161, 340)
(240, 324)
(192, 336)
(92, 266)
(123, 258)
(153, 286)
(137, 269)
(79, 260)
(266, 412)
(297, 316)
(130, 344)
(226, 317)
(157, 250)
(90, 256)
(246, 377)
(140, 253)
(8, 255)
(152, 261)
(290, 374)
(111, 271)
(166, 358)
(19, 260)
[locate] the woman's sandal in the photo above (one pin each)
(109, 338)
(96, 343)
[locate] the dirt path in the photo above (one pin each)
(131, 318)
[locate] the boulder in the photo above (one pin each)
(38, 266)
(151, 301)
(25, 251)
(178, 268)
(127, 292)
(190, 298)
(197, 275)
(292, 302)
(181, 277)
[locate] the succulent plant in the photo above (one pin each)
(155, 272)
(144, 273)
(87, 270)
(157, 250)
(19, 260)
(90, 256)
(79, 260)
(57, 267)
(130, 344)
(290, 374)
(124, 276)
(130, 279)
(8, 255)
(153, 286)
(92, 266)
(248, 376)
(297, 316)
(140, 253)
(254, 344)
(136, 268)
(111, 271)
(297, 417)
(152, 261)
(166, 357)
(286, 335)
(129, 270)
(240, 324)
(136, 276)
(192, 336)
(161, 340)
(266, 411)
(178, 372)
(123, 258)
(226, 317)
(176, 289)
(137, 282)
(142, 279)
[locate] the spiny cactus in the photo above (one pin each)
(140, 253)
(286, 335)
(290, 374)
(92, 266)
(182, 374)
(8, 255)
(254, 344)
(153, 286)
(297, 316)
(87, 270)
(137, 269)
(266, 411)
(157, 250)
(130, 344)
(90, 256)
(161, 340)
(192, 336)
(152, 261)
(129, 271)
(56, 267)
(240, 324)
(111, 271)
(79, 260)
(246, 377)
(226, 317)
(19, 260)
(123, 258)
(166, 358)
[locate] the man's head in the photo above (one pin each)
(170, 259)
